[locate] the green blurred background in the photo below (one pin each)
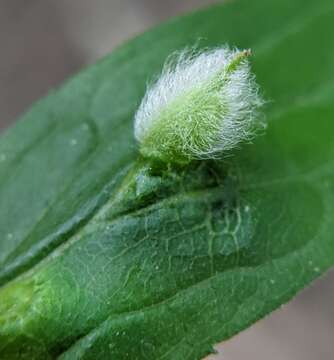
(44, 41)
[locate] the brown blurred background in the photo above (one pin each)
(44, 41)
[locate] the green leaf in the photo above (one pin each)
(103, 257)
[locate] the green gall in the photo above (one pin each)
(201, 106)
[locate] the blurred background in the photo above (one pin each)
(44, 41)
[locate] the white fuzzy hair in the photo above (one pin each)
(188, 70)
